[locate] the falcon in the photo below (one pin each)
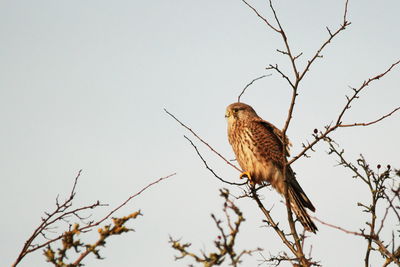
(258, 146)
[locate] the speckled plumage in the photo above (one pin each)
(258, 146)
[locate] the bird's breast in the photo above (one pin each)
(250, 157)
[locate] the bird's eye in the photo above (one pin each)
(235, 110)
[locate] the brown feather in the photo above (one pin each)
(258, 146)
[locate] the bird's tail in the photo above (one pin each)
(299, 202)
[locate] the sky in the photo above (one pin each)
(84, 84)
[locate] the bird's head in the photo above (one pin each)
(239, 111)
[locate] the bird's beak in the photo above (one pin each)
(227, 114)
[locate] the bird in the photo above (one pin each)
(258, 146)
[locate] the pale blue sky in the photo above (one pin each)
(83, 85)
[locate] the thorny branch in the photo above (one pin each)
(378, 185)
(271, 221)
(61, 213)
(342, 27)
(225, 242)
(318, 136)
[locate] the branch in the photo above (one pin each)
(298, 249)
(331, 128)
(382, 248)
(208, 168)
(342, 27)
(271, 222)
(363, 86)
(260, 16)
(50, 219)
(371, 122)
(338, 227)
(276, 68)
(376, 183)
(105, 232)
(201, 140)
(250, 83)
(60, 213)
(225, 242)
(126, 202)
(254, 195)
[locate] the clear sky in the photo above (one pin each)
(83, 85)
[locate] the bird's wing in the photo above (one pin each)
(278, 133)
(268, 141)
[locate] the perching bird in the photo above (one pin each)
(258, 146)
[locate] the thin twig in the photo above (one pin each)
(373, 238)
(271, 221)
(337, 227)
(363, 85)
(126, 201)
(371, 122)
(317, 54)
(61, 210)
(210, 169)
(276, 68)
(338, 123)
(260, 16)
(201, 140)
(250, 83)
(28, 247)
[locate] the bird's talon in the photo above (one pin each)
(246, 175)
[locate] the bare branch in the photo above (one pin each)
(271, 221)
(126, 201)
(331, 128)
(208, 168)
(337, 227)
(201, 140)
(382, 248)
(362, 87)
(371, 122)
(317, 54)
(57, 214)
(260, 16)
(376, 183)
(250, 83)
(276, 68)
(298, 249)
